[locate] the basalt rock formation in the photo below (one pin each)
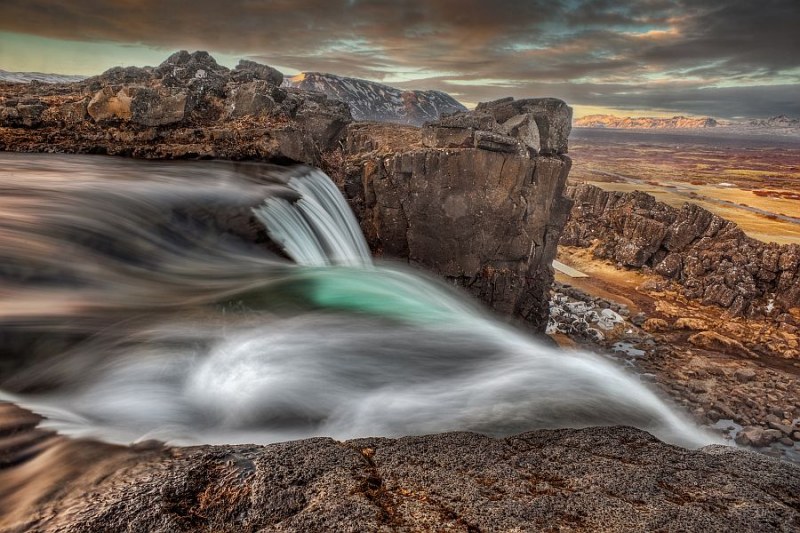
(709, 256)
(609, 479)
(474, 196)
(471, 197)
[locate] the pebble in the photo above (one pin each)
(744, 375)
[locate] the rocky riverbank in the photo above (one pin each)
(691, 352)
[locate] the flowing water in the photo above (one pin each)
(142, 300)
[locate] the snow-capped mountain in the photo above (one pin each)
(27, 77)
(369, 100)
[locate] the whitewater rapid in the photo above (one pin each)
(132, 310)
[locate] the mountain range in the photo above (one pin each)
(612, 121)
(779, 125)
(373, 101)
(27, 77)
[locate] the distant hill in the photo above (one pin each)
(27, 77)
(611, 121)
(369, 100)
(780, 121)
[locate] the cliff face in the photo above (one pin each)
(373, 101)
(472, 199)
(475, 197)
(711, 257)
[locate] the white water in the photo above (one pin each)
(192, 339)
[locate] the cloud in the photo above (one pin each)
(658, 53)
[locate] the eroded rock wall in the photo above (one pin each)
(709, 256)
(468, 199)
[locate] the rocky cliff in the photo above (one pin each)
(609, 479)
(373, 101)
(709, 256)
(187, 107)
(476, 197)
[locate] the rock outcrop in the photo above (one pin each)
(615, 478)
(709, 256)
(467, 199)
(476, 197)
(187, 107)
(373, 101)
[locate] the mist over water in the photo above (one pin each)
(134, 304)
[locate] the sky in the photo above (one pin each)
(725, 59)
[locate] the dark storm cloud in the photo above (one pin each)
(661, 54)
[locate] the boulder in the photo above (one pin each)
(124, 76)
(435, 136)
(72, 113)
(552, 117)
(109, 105)
(654, 325)
(711, 340)
(198, 72)
(466, 119)
(695, 324)
(141, 105)
(253, 98)
(524, 128)
(494, 142)
(150, 107)
(250, 70)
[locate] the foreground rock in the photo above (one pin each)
(592, 479)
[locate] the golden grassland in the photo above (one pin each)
(756, 188)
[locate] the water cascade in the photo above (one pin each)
(150, 321)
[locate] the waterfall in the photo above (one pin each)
(318, 229)
(189, 337)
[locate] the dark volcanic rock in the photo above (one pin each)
(592, 479)
(552, 117)
(711, 257)
(487, 218)
(187, 107)
(250, 70)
